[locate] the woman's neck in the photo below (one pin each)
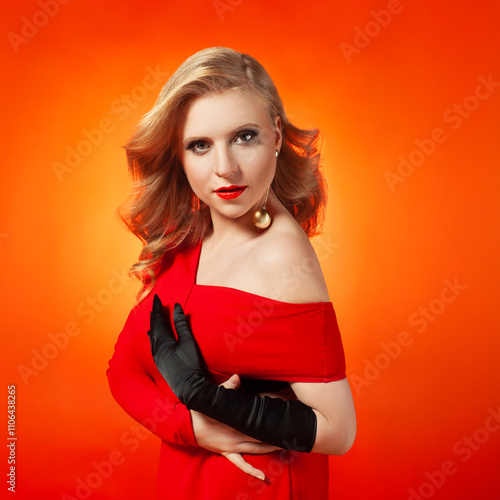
(229, 232)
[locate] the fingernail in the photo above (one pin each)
(261, 477)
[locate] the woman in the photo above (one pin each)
(227, 192)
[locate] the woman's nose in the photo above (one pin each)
(225, 163)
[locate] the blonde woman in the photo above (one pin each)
(243, 375)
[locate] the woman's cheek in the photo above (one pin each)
(254, 156)
(197, 183)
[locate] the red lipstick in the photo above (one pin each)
(229, 192)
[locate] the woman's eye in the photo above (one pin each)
(246, 136)
(198, 147)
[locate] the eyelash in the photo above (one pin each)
(192, 145)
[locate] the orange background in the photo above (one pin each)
(386, 252)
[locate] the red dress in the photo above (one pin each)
(238, 332)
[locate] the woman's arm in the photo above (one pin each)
(291, 259)
(136, 391)
(161, 412)
(336, 420)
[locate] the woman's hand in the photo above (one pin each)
(220, 438)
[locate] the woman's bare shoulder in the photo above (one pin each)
(289, 266)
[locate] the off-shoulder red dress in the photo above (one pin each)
(238, 332)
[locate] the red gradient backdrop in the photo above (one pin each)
(407, 97)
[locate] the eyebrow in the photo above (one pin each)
(199, 138)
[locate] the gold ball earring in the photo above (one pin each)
(261, 217)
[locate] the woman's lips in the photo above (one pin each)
(229, 192)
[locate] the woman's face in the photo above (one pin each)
(228, 150)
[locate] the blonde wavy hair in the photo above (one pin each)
(162, 210)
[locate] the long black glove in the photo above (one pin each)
(286, 424)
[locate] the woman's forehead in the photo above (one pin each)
(223, 111)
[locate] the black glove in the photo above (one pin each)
(286, 424)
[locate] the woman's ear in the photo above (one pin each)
(278, 135)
